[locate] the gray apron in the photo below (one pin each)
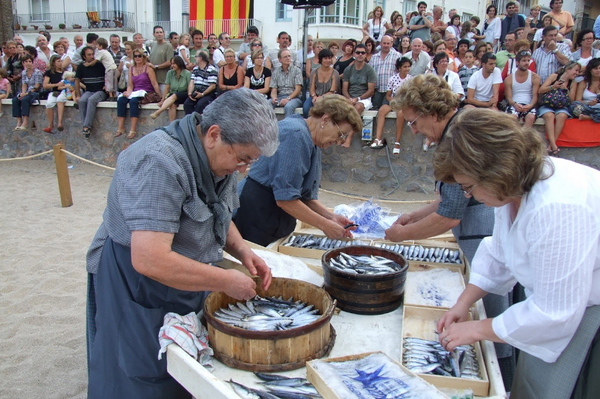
(536, 379)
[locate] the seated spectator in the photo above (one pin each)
(550, 55)
(521, 90)
(346, 59)
(31, 83)
(43, 51)
(38, 64)
(323, 81)
(584, 51)
(141, 77)
(248, 63)
(126, 63)
(555, 117)
(503, 56)
(231, 75)
(286, 84)
(53, 83)
(428, 48)
(92, 76)
(313, 62)
(371, 48)
(258, 77)
(419, 58)
(440, 68)
(202, 89)
(480, 50)
(484, 85)
(537, 37)
(587, 106)
(467, 69)
(461, 49)
(511, 65)
(334, 47)
(4, 88)
(176, 85)
(403, 65)
(14, 67)
(59, 48)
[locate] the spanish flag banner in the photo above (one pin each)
(216, 16)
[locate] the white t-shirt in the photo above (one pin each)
(484, 88)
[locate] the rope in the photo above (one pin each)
(85, 160)
(378, 200)
(28, 157)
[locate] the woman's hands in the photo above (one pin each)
(257, 267)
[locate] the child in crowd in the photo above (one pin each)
(110, 79)
(467, 69)
(184, 48)
(69, 82)
(4, 88)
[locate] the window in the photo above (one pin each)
(330, 14)
(284, 12)
(107, 8)
(311, 15)
(351, 12)
(409, 6)
(40, 10)
(466, 17)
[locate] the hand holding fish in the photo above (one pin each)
(404, 219)
(335, 227)
(257, 267)
(466, 333)
(238, 285)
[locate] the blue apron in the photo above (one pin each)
(130, 309)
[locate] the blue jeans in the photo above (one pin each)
(307, 106)
(134, 106)
(20, 107)
(291, 106)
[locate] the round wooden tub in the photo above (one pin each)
(272, 350)
(365, 294)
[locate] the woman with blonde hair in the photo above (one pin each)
(546, 236)
(259, 76)
(231, 75)
(280, 189)
(313, 62)
(375, 27)
(184, 48)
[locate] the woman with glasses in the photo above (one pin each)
(429, 106)
(167, 221)
(141, 77)
(280, 189)
(545, 237)
(324, 81)
(258, 77)
(254, 46)
(583, 51)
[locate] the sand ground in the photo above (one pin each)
(43, 278)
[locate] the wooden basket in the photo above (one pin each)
(365, 294)
(272, 350)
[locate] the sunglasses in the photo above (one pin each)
(138, 56)
(360, 52)
(256, 44)
(212, 48)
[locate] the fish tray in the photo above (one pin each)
(308, 252)
(365, 294)
(420, 322)
(412, 298)
(272, 350)
(412, 264)
(322, 381)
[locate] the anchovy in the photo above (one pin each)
(461, 362)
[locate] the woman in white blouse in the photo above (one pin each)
(375, 27)
(492, 27)
(546, 237)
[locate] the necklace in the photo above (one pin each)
(258, 72)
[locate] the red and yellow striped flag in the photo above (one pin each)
(216, 16)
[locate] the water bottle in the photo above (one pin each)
(367, 128)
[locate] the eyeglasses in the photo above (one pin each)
(467, 190)
(241, 162)
(212, 48)
(342, 136)
(138, 56)
(226, 38)
(410, 123)
(588, 38)
(360, 52)
(256, 44)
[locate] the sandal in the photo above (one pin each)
(86, 132)
(60, 128)
(377, 144)
(48, 130)
(119, 133)
(553, 153)
(131, 134)
(396, 150)
(154, 115)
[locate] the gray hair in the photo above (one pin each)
(253, 123)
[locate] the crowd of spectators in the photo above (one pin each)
(513, 63)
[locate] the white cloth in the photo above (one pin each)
(379, 28)
(484, 88)
(187, 332)
(493, 31)
(219, 55)
(454, 81)
(552, 249)
(522, 93)
(137, 93)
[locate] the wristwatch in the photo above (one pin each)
(155, 66)
(554, 51)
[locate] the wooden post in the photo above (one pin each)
(62, 173)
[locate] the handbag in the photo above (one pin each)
(556, 99)
(152, 97)
(122, 85)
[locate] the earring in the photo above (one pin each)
(322, 126)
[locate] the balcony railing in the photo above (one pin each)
(92, 20)
(235, 27)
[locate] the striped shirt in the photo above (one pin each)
(285, 82)
(546, 62)
(203, 78)
(385, 68)
(465, 73)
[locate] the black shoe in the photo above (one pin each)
(87, 133)
(76, 105)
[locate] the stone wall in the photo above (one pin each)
(412, 169)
